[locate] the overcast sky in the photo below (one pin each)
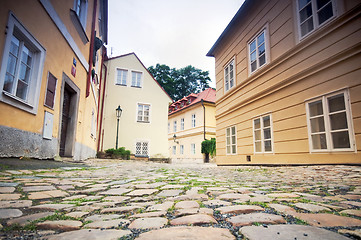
(177, 33)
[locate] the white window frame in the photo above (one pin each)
(266, 53)
(175, 126)
(314, 17)
(138, 81)
(193, 120)
(174, 150)
(262, 128)
(227, 70)
(81, 11)
(181, 149)
(121, 81)
(193, 148)
(182, 124)
(229, 142)
(31, 103)
(142, 116)
(142, 142)
(326, 116)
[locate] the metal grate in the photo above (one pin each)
(141, 148)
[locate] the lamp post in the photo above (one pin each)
(118, 112)
(175, 139)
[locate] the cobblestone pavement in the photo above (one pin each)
(112, 199)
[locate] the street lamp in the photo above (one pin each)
(175, 139)
(118, 112)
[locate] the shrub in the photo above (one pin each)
(209, 147)
(119, 153)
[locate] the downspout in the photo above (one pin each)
(102, 107)
(204, 120)
(92, 36)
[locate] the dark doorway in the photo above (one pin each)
(68, 117)
(65, 119)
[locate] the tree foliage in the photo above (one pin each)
(209, 147)
(179, 83)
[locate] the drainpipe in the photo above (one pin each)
(91, 49)
(102, 103)
(204, 120)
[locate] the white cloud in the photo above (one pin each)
(172, 32)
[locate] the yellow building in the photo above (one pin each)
(191, 120)
(48, 83)
(144, 104)
(288, 83)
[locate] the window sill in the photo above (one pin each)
(345, 150)
(118, 84)
(143, 121)
(78, 26)
(17, 99)
(17, 102)
(136, 86)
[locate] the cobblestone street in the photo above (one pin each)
(112, 199)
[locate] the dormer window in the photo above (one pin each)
(189, 101)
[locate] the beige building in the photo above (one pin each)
(49, 77)
(288, 83)
(144, 104)
(190, 121)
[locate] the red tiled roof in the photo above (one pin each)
(208, 95)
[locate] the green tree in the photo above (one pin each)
(209, 148)
(179, 83)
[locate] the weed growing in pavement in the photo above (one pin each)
(300, 222)
(86, 222)
(14, 227)
(201, 204)
(303, 200)
(262, 204)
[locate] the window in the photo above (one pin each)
(81, 7)
(21, 69)
(257, 51)
(229, 75)
(142, 148)
(168, 127)
(231, 144)
(50, 91)
(174, 150)
(182, 124)
(181, 149)
(143, 113)
(193, 148)
(262, 134)
(136, 79)
(121, 77)
(329, 123)
(175, 126)
(193, 120)
(313, 13)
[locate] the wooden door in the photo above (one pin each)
(65, 120)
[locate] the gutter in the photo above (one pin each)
(204, 120)
(91, 49)
(101, 108)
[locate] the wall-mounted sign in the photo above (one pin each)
(74, 62)
(73, 70)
